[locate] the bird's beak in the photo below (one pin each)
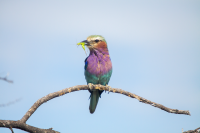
(86, 43)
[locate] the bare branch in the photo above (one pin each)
(23, 126)
(193, 131)
(100, 87)
(5, 79)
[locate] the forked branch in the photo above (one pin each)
(23, 126)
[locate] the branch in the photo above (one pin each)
(5, 79)
(99, 87)
(78, 88)
(193, 131)
(23, 126)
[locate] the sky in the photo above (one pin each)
(154, 48)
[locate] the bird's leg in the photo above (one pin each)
(90, 85)
(99, 88)
(108, 88)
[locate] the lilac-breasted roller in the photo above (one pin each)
(98, 66)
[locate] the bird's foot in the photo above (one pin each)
(109, 88)
(91, 86)
(98, 87)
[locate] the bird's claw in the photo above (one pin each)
(109, 88)
(90, 85)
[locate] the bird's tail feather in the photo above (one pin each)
(94, 100)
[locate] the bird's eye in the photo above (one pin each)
(96, 40)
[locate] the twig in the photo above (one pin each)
(193, 131)
(11, 129)
(9, 103)
(5, 79)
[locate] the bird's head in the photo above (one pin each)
(95, 42)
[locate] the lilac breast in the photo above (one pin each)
(99, 62)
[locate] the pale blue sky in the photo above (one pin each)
(155, 51)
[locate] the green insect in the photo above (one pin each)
(83, 45)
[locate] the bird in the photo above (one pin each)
(98, 67)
